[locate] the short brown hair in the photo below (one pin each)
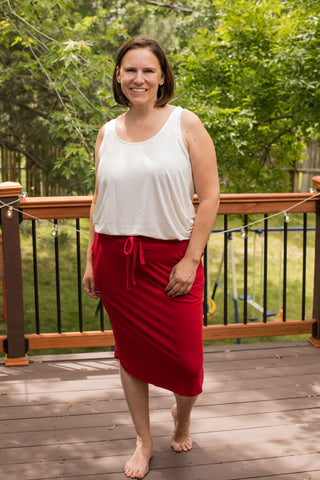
(166, 91)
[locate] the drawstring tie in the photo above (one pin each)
(131, 249)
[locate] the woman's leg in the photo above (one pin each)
(181, 412)
(137, 396)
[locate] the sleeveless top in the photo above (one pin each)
(145, 188)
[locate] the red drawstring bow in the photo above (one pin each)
(131, 248)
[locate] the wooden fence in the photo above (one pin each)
(306, 169)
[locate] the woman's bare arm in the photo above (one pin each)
(205, 175)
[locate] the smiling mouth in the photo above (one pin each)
(139, 90)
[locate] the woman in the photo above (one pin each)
(146, 240)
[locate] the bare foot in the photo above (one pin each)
(180, 440)
(138, 465)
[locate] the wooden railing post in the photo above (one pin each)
(15, 343)
(315, 338)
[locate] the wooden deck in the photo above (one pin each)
(259, 418)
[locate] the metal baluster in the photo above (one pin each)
(245, 290)
(225, 278)
(79, 277)
(284, 287)
(265, 267)
(315, 339)
(56, 252)
(304, 266)
(101, 316)
(35, 275)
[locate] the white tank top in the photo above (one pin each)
(145, 188)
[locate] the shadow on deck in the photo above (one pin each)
(258, 418)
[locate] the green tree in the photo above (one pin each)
(253, 77)
(55, 77)
(55, 85)
(248, 68)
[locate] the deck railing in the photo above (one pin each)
(16, 208)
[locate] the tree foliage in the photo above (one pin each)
(254, 80)
(55, 83)
(249, 69)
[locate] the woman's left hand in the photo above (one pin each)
(181, 277)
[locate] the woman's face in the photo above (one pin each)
(140, 75)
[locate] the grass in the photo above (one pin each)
(255, 272)
(47, 281)
(68, 276)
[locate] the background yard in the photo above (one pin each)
(91, 319)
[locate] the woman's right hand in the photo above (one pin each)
(88, 283)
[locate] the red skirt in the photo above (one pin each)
(158, 338)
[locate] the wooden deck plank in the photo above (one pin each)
(291, 402)
(183, 469)
(258, 418)
(314, 475)
(104, 399)
(214, 362)
(227, 381)
(100, 382)
(254, 447)
(258, 443)
(308, 433)
(228, 418)
(38, 433)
